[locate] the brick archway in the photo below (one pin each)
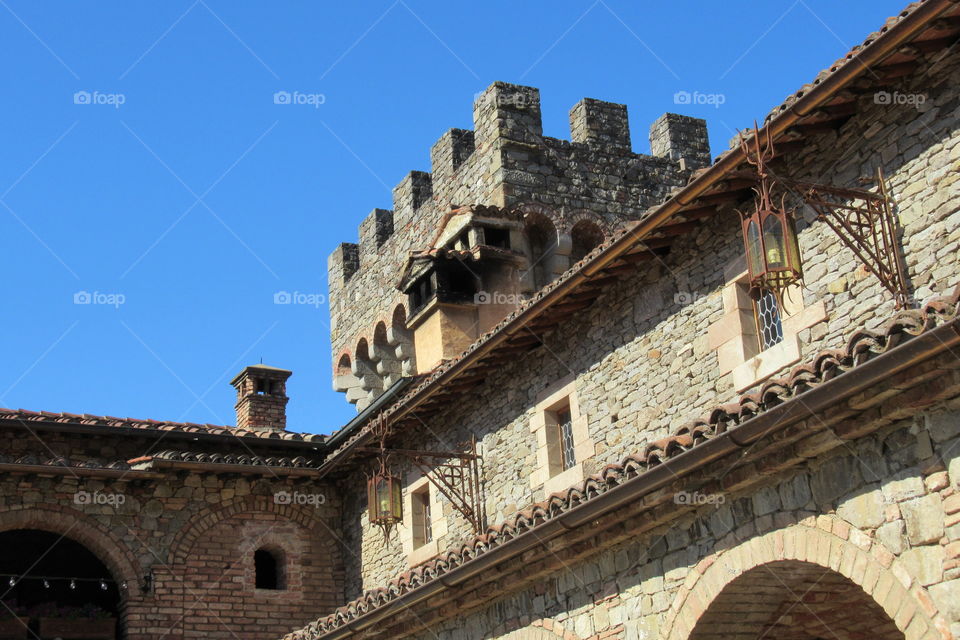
(111, 550)
(823, 551)
(205, 520)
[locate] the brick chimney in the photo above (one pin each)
(261, 398)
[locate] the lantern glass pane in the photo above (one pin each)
(754, 250)
(773, 245)
(397, 500)
(383, 497)
(793, 246)
(371, 500)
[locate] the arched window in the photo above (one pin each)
(344, 368)
(585, 237)
(542, 241)
(268, 569)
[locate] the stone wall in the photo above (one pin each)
(884, 514)
(641, 356)
(194, 533)
(505, 162)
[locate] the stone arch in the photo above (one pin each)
(401, 338)
(344, 366)
(544, 629)
(344, 379)
(543, 247)
(827, 546)
(111, 550)
(365, 369)
(585, 236)
(385, 356)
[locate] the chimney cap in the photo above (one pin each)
(261, 368)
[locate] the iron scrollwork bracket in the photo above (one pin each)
(864, 222)
(456, 475)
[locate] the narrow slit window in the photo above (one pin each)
(565, 438)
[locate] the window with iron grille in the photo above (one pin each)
(769, 327)
(565, 438)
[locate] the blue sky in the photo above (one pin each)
(179, 193)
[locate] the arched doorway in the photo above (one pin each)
(48, 577)
(794, 600)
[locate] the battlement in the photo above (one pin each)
(505, 161)
(681, 138)
(603, 124)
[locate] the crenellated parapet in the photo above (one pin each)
(590, 184)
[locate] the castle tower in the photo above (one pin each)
(504, 211)
(261, 398)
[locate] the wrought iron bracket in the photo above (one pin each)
(455, 474)
(864, 222)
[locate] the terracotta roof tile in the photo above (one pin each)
(86, 419)
(32, 460)
(298, 462)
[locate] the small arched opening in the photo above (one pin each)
(269, 569)
(541, 236)
(585, 237)
(399, 319)
(49, 580)
(344, 367)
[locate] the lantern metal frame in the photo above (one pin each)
(455, 474)
(383, 480)
(771, 268)
(863, 220)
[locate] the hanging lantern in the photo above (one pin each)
(773, 255)
(769, 231)
(384, 499)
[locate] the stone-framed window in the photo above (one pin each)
(563, 440)
(423, 521)
(754, 339)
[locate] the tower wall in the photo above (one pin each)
(506, 162)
